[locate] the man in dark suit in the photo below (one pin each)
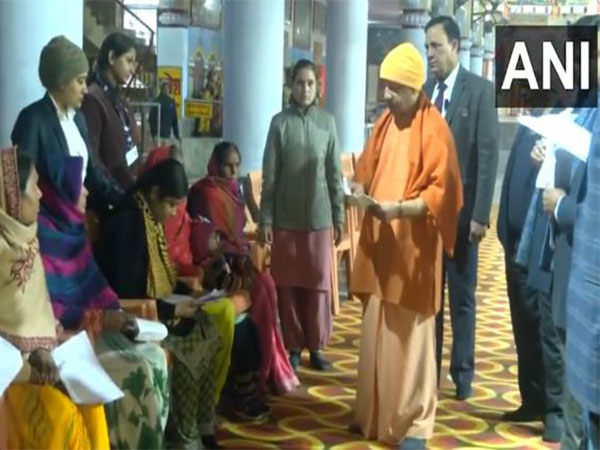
(467, 102)
(517, 190)
(559, 203)
(168, 115)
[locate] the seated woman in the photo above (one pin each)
(233, 275)
(217, 197)
(34, 412)
(177, 226)
(132, 252)
(82, 299)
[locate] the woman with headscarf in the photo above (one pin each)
(184, 237)
(178, 225)
(82, 299)
(113, 131)
(53, 127)
(35, 413)
(132, 252)
(218, 198)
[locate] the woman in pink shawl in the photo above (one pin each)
(218, 199)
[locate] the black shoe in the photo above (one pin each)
(522, 414)
(354, 428)
(210, 441)
(253, 410)
(554, 428)
(463, 393)
(318, 361)
(295, 357)
(410, 443)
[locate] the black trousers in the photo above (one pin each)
(462, 282)
(525, 316)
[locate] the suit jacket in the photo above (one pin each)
(168, 118)
(569, 175)
(38, 133)
(582, 355)
(524, 176)
(473, 120)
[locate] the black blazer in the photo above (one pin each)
(38, 133)
(519, 169)
(473, 120)
(569, 175)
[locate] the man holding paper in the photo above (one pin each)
(410, 169)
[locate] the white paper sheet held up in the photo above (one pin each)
(10, 363)
(211, 296)
(150, 331)
(173, 299)
(560, 130)
(362, 200)
(545, 178)
(80, 371)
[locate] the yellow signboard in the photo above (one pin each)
(173, 75)
(199, 109)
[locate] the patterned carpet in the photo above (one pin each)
(317, 414)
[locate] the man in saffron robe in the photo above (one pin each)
(410, 168)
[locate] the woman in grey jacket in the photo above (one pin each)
(302, 214)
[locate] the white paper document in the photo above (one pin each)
(150, 331)
(561, 131)
(362, 200)
(11, 362)
(346, 186)
(173, 299)
(80, 371)
(211, 296)
(545, 178)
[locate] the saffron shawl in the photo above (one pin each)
(74, 280)
(401, 262)
(26, 318)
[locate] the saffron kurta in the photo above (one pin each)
(398, 272)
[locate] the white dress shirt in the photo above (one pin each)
(73, 137)
(450, 81)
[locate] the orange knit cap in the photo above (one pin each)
(404, 65)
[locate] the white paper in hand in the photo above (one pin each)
(10, 363)
(211, 296)
(561, 131)
(150, 331)
(80, 371)
(363, 201)
(173, 299)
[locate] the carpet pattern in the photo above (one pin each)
(318, 413)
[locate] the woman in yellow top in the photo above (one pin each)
(35, 413)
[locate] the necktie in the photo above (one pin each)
(439, 100)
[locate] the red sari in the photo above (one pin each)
(220, 201)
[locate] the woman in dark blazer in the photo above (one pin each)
(52, 128)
